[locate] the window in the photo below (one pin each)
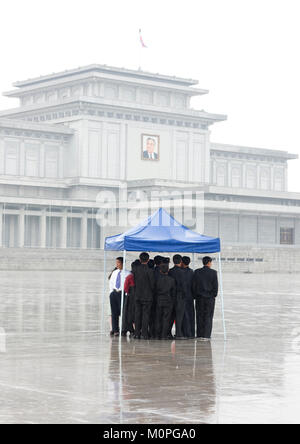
(286, 236)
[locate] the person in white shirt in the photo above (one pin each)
(116, 284)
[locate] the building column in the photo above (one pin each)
(2, 155)
(123, 151)
(43, 230)
(61, 162)
(84, 226)
(244, 176)
(21, 227)
(229, 176)
(22, 159)
(272, 179)
(64, 227)
(1, 225)
(42, 160)
(214, 172)
(258, 178)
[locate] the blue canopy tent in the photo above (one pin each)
(162, 233)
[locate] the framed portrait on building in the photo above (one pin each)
(150, 147)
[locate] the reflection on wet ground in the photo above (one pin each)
(57, 367)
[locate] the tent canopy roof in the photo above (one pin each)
(162, 233)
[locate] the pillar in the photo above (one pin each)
(21, 227)
(43, 229)
(63, 227)
(84, 226)
(1, 225)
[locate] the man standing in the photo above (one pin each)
(116, 284)
(189, 317)
(144, 289)
(205, 289)
(165, 293)
(181, 294)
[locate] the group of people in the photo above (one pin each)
(157, 296)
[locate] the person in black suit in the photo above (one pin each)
(165, 298)
(189, 316)
(150, 147)
(144, 288)
(179, 275)
(205, 290)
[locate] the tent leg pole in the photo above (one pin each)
(122, 297)
(103, 294)
(222, 297)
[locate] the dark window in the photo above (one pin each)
(286, 236)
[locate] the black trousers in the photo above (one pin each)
(189, 319)
(205, 308)
(142, 317)
(180, 311)
(162, 319)
(115, 305)
(128, 313)
(152, 320)
(172, 317)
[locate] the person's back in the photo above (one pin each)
(189, 316)
(165, 289)
(178, 275)
(166, 295)
(205, 290)
(181, 294)
(144, 283)
(189, 274)
(144, 290)
(205, 283)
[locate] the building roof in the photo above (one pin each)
(109, 74)
(252, 151)
(108, 70)
(22, 125)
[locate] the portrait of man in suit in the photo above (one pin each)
(150, 147)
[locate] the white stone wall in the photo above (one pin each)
(113, 150)
(248, 172)
(31, 157)
(250, 229)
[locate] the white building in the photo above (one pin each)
(79, 132)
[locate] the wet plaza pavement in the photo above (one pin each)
(57, 367)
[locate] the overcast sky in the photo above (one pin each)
(246, 52)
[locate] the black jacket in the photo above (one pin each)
(205, 283)
(179, 275)
(165, 289)
(189, 274)
(144, 283)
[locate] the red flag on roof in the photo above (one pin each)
(141, 39)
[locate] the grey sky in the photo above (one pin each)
(246, 52)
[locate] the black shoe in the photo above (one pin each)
(124, 333)
(111, 333)
(136, 337)
(116, 334)
(180, 338)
